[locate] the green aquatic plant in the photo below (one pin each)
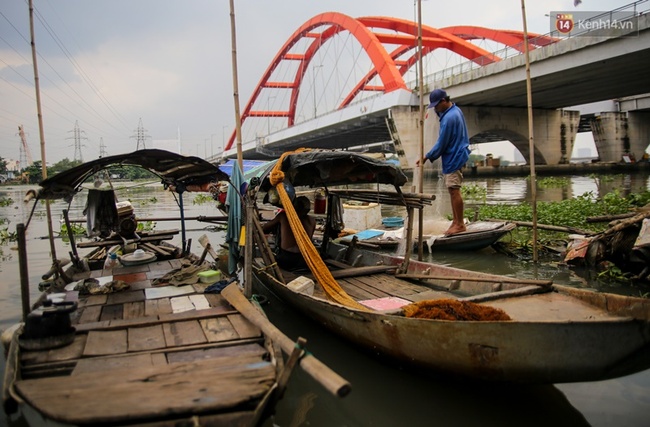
(474, 192)
(77, 230)
(7, 236)
(615, 274)
(201, 199)
(554, 182)
(146, 226)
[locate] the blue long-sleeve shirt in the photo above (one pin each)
(453, 141)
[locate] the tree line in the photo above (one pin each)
(33, 174)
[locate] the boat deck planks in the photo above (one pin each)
(159, 390)
(145, 338)
(162, 355)
(551, 306)
(105, 342)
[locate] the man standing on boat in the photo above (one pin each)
(453, 146)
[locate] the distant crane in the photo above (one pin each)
(25, 153)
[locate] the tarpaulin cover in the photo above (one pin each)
(173, 169)
(322, 167)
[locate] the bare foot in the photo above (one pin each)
(455, 230)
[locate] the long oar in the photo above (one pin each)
(332, 381)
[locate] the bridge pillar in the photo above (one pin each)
(618, 134)
(554, 131)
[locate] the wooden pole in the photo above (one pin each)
(421, 175)
(22, 266)
(332, 382)
(531, 141)
(235, 84)
(248, 248)
(40, 130)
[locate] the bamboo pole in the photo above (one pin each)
(421, 175)
(235, 84)
(40, 129)
(531, 141)
(329, 379)
(22, 267)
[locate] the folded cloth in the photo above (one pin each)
(186, 275)
(217, 287)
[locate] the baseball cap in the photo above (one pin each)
(436, 96)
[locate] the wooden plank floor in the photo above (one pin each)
(550, 306)
(202, 356)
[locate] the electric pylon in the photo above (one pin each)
(77, 135)
(140, 136)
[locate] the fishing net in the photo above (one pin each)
(449, 309)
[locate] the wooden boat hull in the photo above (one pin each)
(535, 349)
(554, 334)
(137, 357)
(479, 236)
(142, 344)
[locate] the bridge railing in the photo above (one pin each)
(637, 8)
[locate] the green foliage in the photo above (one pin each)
(145, 202)
(146, 226)
(77, 230)
(474, 192)
(553, 182)
(34, 172)
(639, 199)
(7, 236)
(6, 201)
(62, 165)
(131, 173)
(201, 199)
(612, 273)
(566, 213)
(3, 165)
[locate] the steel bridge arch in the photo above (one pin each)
(337, 22)
(386, 65)
(510, 38)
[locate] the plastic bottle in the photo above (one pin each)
(111, 261)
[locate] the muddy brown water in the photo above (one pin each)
(382, 394)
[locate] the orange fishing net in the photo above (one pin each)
(450, 309)
(309, 252)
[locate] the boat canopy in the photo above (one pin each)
(176, 171)
(317, 168)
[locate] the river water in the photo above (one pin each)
(382, 394)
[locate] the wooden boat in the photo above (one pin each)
(479, 235)
(441, 320)
(152, 345)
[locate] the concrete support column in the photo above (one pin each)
(610, 131)
(618, 134)
(638, 132)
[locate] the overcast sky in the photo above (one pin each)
(107, 64)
